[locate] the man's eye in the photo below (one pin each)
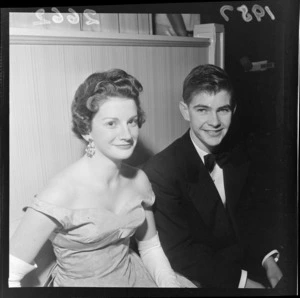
(225, 110)
(201, 110)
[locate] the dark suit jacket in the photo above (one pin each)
(198, 234)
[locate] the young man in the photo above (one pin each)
(197, 191)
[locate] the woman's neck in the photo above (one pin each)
(104, 170)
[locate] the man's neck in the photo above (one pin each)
(199, 150)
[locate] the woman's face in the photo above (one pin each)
(115, 128)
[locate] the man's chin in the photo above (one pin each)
(213, 143)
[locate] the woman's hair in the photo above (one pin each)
(209, 79)
(98, 87)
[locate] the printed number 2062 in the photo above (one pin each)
(58, 18)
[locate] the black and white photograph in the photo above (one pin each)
(150, 150)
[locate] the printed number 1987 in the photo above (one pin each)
(257, 10)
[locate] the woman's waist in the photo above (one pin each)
(90, 263)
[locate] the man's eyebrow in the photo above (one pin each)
(201, 106)
(225, 106)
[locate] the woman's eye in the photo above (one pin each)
(110, 124)
(133, 122)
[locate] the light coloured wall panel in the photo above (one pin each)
(41, 142)
(109, 22)
(43, 80)
(128, 23)
(145, 23)
(45, 21)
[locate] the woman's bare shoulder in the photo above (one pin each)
(60, 189)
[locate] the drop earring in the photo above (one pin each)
(90, 148)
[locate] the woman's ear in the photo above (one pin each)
(184, 110)
(87, 137)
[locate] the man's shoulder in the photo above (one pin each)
(239, 154)
(165, 160)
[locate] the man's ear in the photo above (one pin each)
(183, 107)
(234, 109)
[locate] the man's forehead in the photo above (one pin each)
(211, 99)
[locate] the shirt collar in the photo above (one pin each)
(200, 152)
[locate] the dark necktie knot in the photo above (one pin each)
(209, 162)
(211, 159)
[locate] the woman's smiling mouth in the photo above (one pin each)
(124, 146)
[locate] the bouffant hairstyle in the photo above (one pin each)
(98, 87)
(209, 79)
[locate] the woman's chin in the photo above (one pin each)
(124, 154)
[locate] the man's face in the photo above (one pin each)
(209, 116)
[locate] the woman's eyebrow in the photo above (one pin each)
(110, 118)
(134, 116)
(116, 118)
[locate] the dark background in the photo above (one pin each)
(265, 122)
(266, 117)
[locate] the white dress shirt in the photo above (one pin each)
(216, 174)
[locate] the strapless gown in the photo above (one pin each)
(92, 245)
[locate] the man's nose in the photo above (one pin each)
(213, 119)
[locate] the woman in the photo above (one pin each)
(91, 209)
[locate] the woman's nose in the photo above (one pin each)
(125, 133)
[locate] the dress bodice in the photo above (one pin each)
(92, 244)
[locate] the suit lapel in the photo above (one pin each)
(200, 187)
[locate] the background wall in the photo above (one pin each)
(43, 80)
(88, 20)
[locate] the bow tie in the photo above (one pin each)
(211, 159)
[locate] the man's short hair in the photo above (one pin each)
(209, 79)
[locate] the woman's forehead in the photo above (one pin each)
(116, 107)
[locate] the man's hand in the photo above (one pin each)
(273, 272)
(251, 284)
